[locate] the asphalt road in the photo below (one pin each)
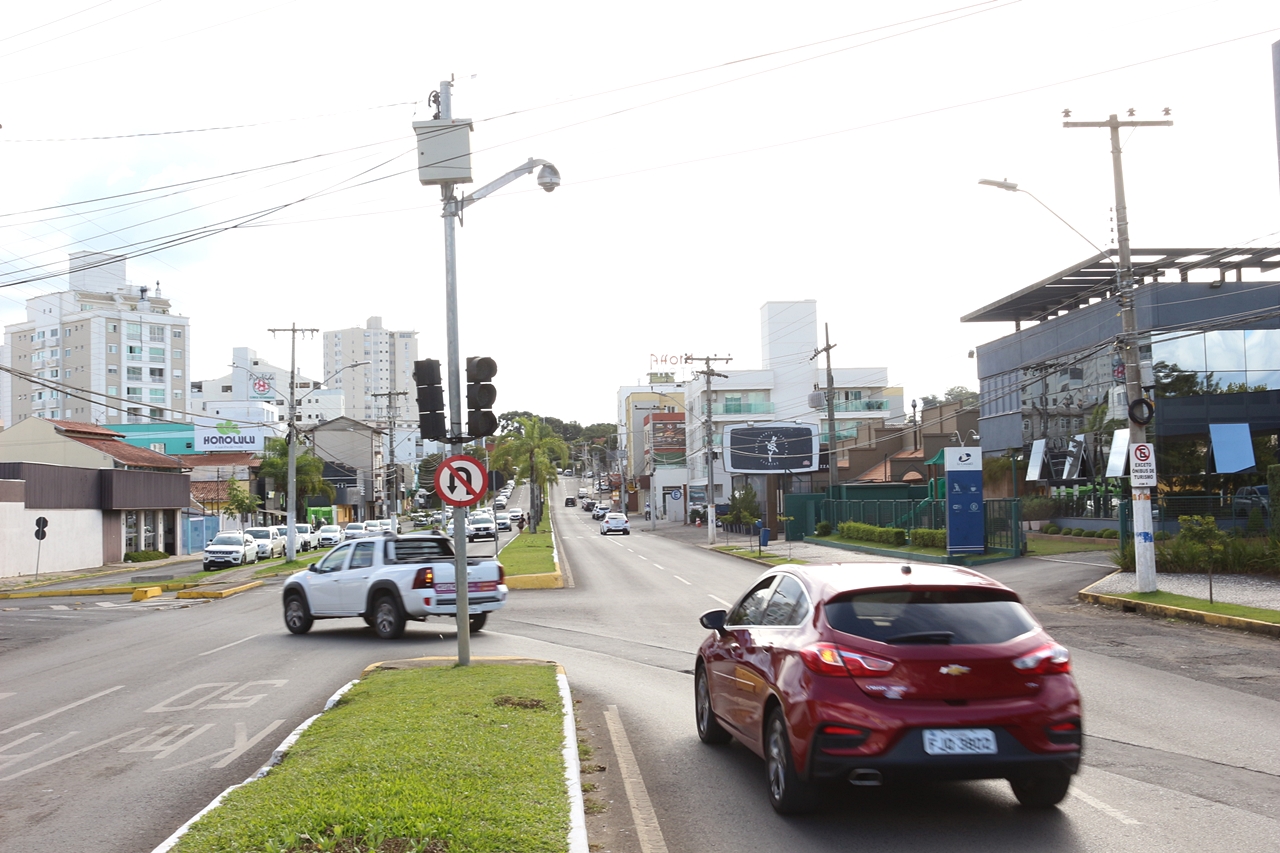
(118, 723)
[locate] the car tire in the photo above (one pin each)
(1041, 789)
(709, 728)
(788, 794)
(626, 533)
(475, 622)
(206, 566)
(297, 617)
(388, 618)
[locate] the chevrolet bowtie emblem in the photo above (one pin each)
(953, 669)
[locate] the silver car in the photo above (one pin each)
(355, 530)
(270, 542)
(230, 548)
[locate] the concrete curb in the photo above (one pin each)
(569, 749)
(554, 580)
(218, 593)
(1166, 611)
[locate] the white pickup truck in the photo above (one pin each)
(388, 579)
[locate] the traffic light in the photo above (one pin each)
(480, 396)
(426, 375)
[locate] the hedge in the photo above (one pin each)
(145, 556)
(925, 537)
(870, 533)
(823, 528)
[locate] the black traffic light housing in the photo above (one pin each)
(426, 375)
(480, 396)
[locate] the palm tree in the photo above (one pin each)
(309, 473)
(529, 448)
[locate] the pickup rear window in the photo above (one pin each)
(942, 616)
(417, 550)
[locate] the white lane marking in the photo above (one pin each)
(59, 607)
(68, 755)
(682, 580)
(719, 600)
(56, 711)
(648, 833)
(1112, 811)
(106, 604)
(227, 646)
(656, 566)
(642, 556)
(7, 695)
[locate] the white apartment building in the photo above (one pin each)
(650, 418)
(109, 352)
(391, 354)
(258, 391)
(778, 392)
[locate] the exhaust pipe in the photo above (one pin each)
(865, 778)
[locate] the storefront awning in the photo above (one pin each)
(1232, 448)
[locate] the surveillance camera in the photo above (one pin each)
(548, 177)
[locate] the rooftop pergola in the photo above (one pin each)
(1096, 278)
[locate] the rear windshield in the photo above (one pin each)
(932, 616)
(259, 533)
(228, 539)
(417, 550)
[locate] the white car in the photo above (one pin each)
(355, 530)
(230, 548)
(270, 542)
(516, 514)
(305, 538)
(503, 520)
(330, 534)
(615, 522)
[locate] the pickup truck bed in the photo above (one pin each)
(388, 580)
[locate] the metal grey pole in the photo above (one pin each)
(451, 208)
(711, 465)
(831, 418)
(291, 436)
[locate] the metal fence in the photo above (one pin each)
(904, 514)
(1003, 523)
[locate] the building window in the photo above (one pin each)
(157, 446)
(133, 331)
(155, 334)
(177, 374)
(113, 328)
(66, 353)
(113, 348)
(133, 353)
(156, 374)
(53, 374)
(177, 354)
(155, 354)
(134, 394)
(226, 389)
(133, 374)
(157, 396)
(177, 333)
(113, 390)
(111, 368)
(177, 395)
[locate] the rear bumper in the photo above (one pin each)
(907, 760)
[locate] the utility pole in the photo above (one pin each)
(291, 439)
(392, 412)
(831, 411)
(1144, 547)
(708, 373)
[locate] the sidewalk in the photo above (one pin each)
(809, 552)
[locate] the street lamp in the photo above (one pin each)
(1010, 186)
(444, 158)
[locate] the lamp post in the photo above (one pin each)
(444, 159)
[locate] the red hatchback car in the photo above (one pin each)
(875, 672)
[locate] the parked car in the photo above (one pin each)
(588, 505)
(601, 510)
(270, 542)
(305, 538)
(895, 671)
(230, 548)
(330, 534)
(355, 530)
(1249, 498)
(615, 522)
(500, 502)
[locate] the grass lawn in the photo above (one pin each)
(766, 556)
(1203, 605)
(528, 554)
(279, 566)
(456, 759)
(1068, 545)
(909, 549)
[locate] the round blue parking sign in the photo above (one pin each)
(677, 495)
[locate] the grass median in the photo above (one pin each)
(1168, 599)
(528, 554)
(456, 759)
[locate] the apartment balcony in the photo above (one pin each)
(742, 408)
(862, 405)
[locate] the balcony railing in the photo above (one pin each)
(862, 405)
(742, 408)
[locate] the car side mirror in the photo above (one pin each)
(713, 620)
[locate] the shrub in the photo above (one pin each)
(1161, 535)
(1051, 529)
(1079, 531)
(144, 556)
(1037, 508)
(1109, 533)
(892, 536)
(697, 515)
(925, 537)
(823, 528)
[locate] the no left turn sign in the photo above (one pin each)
(461, 480)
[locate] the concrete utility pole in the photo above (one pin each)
(1144, 546)
(291, 439)
(708, 373)
(392, 412)
(831, 411)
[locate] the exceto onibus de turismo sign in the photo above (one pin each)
(229, 436)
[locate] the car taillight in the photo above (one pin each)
(424, 578)
(830, 659)
(1064, 732)
(502, 574)
(1049, 659)
(833, 739)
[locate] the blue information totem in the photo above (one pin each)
(966, 529)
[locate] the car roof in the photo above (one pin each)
(827, 581)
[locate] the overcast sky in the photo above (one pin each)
(715, 156)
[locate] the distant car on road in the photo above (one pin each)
(1249, 498)
(329, 535)
(516, 514)
(355, 530)
(615, 522)
(600, 511)
(503, 520)
(570, 501)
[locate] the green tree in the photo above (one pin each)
(744, 506)
(427, 477)
(961, 394)
(308, 476)
(240, 502)
(537, 453)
